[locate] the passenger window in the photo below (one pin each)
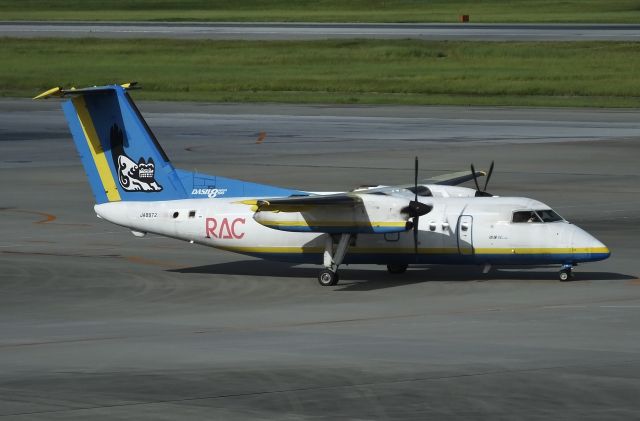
(192, 214)
(525, 216)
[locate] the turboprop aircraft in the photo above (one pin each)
(431, 222)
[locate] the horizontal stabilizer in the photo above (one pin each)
(58, 92)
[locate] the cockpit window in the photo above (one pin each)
(525, 216)
(543, 215)
(547, 215)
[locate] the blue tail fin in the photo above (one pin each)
(123, 159)
(120, 154)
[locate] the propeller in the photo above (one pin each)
(415, 208)
(483, 192)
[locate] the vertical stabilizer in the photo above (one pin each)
(121, 156)
(123, 159)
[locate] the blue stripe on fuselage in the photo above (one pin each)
(437, 258)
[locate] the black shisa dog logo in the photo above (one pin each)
(133, 177)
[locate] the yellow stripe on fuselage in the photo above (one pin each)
(97, 152)
(566, 250)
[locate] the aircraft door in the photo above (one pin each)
(465, 234)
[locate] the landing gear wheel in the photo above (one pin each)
(397, 268)
(565, 275)
(328, 278)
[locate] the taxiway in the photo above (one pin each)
(98, 324)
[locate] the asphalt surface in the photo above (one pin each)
(309, 31)
(98, 324)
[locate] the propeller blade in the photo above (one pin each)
(475, 178)
(415, 209)
(416, 220)
(415, 180)
(486, 182)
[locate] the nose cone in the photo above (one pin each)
(588, 248)
(598, 250)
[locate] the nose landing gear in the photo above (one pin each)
(565, 273)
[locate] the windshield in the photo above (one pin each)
(547, 215)
(544, 215)
(525, 216)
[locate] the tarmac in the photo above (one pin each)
(98, 324)
(312, 31)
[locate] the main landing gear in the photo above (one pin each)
(565, 273)
(397, 268)
(328, 278)
(332, 259)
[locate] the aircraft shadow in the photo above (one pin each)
(362, 279)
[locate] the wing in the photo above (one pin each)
(359, 211)
(450, 179)
(337, 213)
(453, 179)
(298, 203)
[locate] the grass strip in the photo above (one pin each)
(604, 11)
(591, 74)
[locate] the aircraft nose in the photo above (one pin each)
(599, 248)
(588, 245)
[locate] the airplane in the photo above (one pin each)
(432, 222)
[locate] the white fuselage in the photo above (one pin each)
(464, 230)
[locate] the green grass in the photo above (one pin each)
(620, 11)
(598, 74)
